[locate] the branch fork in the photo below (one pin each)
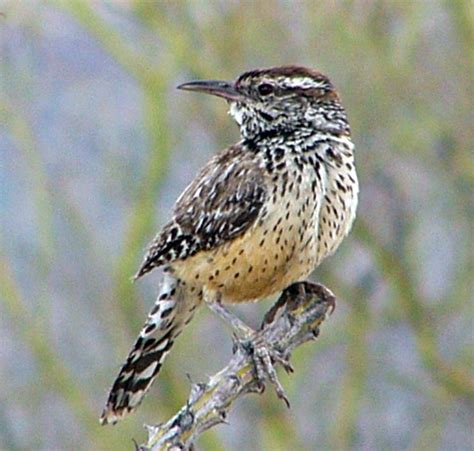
(293, 320)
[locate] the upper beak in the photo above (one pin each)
(218, 88)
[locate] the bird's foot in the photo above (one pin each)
(264, 356)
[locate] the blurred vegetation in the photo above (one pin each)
(96, 144)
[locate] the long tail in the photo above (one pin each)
(173, 309)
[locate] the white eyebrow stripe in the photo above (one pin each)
(303, 82)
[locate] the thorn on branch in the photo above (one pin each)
(293, 320)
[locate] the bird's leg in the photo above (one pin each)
(239, 327)
(252, 343)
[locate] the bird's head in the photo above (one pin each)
(279, 99)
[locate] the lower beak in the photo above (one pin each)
(214, 87)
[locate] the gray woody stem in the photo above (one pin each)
(293, 320)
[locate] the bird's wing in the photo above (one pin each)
(222, 202)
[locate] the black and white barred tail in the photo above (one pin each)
(173, 309)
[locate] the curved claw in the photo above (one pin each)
(264, 356)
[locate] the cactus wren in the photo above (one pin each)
(262, 214)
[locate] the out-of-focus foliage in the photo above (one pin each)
(96, 144)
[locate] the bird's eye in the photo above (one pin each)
(264, 89)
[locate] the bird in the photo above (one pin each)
(259, 216)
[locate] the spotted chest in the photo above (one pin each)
(310, 206)
(280, 248)
(339, 204)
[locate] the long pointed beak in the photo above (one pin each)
(215, 87)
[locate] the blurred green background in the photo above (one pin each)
(95, 146)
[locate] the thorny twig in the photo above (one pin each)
(293, 320)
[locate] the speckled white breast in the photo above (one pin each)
(309, 210)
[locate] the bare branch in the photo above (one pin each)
(293, 320)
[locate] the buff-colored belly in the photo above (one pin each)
(263, 261)
(297, 233)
